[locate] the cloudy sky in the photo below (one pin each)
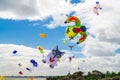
(22, 21)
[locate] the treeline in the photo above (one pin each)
(93, 75)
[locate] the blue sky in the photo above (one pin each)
(24, 32)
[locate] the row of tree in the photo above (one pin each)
(97, 75)
(93, 75)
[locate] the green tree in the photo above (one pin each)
(107, 74)
(113, 74)
(118, 73)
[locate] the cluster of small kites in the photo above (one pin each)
(71, 32)
(32, 61)
(27, 68)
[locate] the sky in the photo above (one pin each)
(22, 22)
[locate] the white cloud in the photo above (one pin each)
(95, 47)
(9, 62)
(18, 10)
(32, 9)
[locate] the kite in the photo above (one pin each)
(31, 78)
(53, 57)
(78, 68)
(70, 58)
(41, 50)
(95, 8)
(71, 47)
(2, 77)
(83, 60)
(19, 65)
(42, 35)
(98, 6)
(14, 52)
(35, 64)
(20, 72)
(28, 69)
(64, 41)
(72, 31)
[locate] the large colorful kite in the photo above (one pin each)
(72, 31)
(53, 57)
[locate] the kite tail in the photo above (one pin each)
(82, 38)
